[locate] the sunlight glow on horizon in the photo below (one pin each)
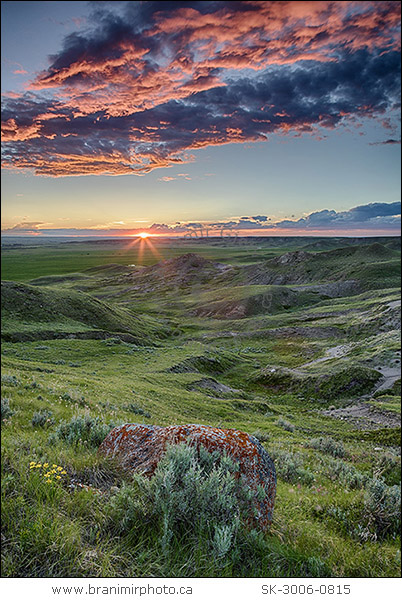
(142, 239)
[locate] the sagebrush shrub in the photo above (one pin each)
(288, 426)
(188, 487)
(6, 411)
(83, 430)
(346, 474)
(388, 468)
(193, 493)
(74, 397)
(289, 467)
(261, 436)
(328, 446)
(383, 506)
(42, 418)
(222, 541)
(341, 516)
(132, 407)
(8, 379)
(32, 385)
(126, 510)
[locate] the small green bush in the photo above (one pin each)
(42, 418)
(289, 467)
(383, 506)
(288, 426)
(6, 411)
(223, 539)
(388, 468)
(328, 446)
(32, 385)
(183, 482)
(8, 379)
(193, 494)
(126, 510)
(341, 517)
(74, 397)
(83, 430)
(261, 436)
(346, 474)
(132, 407)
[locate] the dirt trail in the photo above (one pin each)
(391, 375)
(212, 385)
(365, 416)
(331, 353)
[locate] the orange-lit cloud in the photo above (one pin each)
(10, 130)
(141, 89)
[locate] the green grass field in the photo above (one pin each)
(24, 264)
(299, 370)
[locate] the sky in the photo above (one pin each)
(264, 118)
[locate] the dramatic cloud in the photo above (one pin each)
(147, 83)
(373, 217)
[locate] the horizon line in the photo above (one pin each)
(42, 236)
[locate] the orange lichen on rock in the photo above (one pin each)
(140, 448)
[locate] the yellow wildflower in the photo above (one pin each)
(58, 477)
(64, 472)
(54, 465)
(49, 481)
(32, 463)
(46, 465)
(38, 466)
(59, 468)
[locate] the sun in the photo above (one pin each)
(143, 235)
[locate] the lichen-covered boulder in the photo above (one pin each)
(140, 447)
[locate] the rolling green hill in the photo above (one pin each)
(373, 266)
(36, 312)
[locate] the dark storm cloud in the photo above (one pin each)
(363, 216)
(372, 215)
(150, 82)
(366, 212)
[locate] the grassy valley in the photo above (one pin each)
(293, 340)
